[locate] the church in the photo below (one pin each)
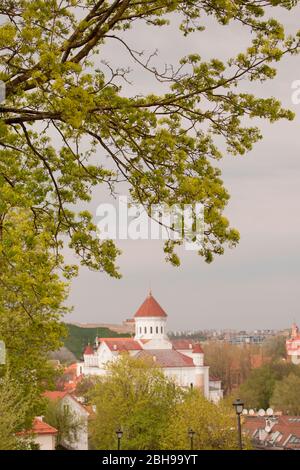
(180, 360)
(293, 345)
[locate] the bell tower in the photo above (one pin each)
(150, 320)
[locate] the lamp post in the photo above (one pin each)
(239, 406)
(191, 435)
(119, 434)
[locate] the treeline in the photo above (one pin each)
(275, 385)
(77, 337)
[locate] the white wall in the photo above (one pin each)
(81, 442)
(45, 441)
(150, 328)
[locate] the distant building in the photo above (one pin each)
(247, 339)
(69, 380)
(273, 433)
(181, 360)
(293, 345)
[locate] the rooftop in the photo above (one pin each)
(167, 357)
(150, 308)
(121, 344)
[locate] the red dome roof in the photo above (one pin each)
(150, 308)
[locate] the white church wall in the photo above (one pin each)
(150, 328)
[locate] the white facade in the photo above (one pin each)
(45, 441)
(81, 441)
(150, 328)
(183, 364)
(70, 403)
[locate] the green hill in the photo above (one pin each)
(79, 337)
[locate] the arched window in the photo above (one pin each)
(151, 330)
(145, 329)
(157, 330)
(140, 330)
(161, 329)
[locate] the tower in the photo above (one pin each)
(295, 331)
(150, 320)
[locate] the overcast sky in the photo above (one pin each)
(253, 286)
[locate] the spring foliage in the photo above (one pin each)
(65, 111)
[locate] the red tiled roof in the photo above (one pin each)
(184, 344)
(166, 357)
(55, 394)
(71, 367)
(58, 395)
(150, 308)
(121, 344)
(287, 425)
(69, 387)
(88, 350)
(40, 427)
(197, 349)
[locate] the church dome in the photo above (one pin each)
(150, 308)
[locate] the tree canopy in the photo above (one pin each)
(135, 396)
(65, 421)
(153, 412)
(275, 347)
(286, 395)
(258, 390)
(214, 425)
(31, 305)
(229, 362)
(13, 410)
(65, 110)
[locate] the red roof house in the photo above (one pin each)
(43, 435)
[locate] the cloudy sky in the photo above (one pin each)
(253, 286)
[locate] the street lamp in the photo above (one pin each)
(239, 406)
(191, 435)
(119, 434)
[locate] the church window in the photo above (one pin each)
(151, 330)
(157, 330)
